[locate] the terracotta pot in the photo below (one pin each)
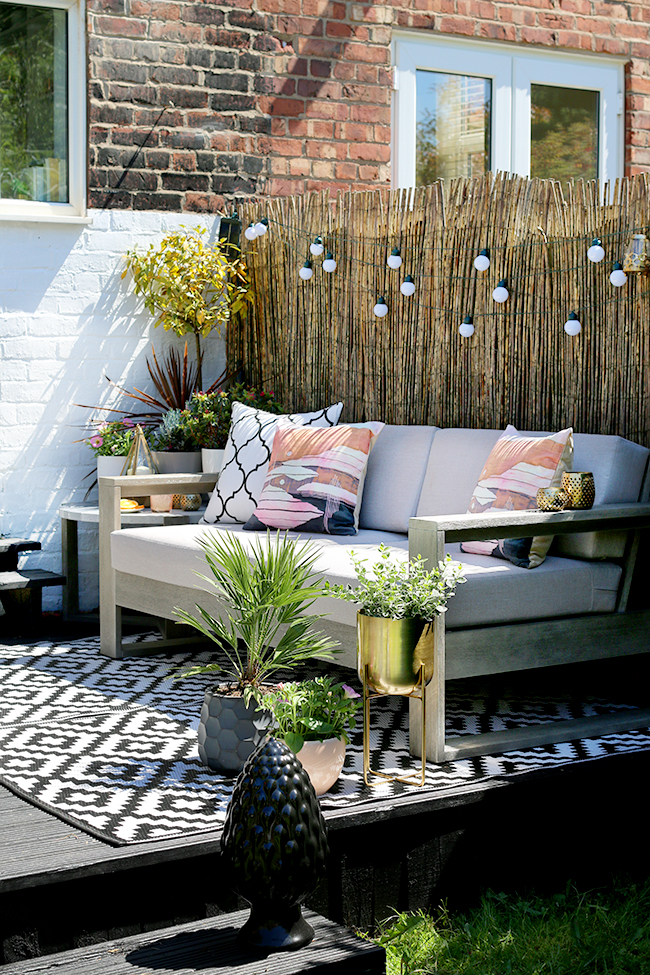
(323, 761)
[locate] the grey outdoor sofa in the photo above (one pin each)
(572, 608)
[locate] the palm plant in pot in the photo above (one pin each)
(312, 718)
(399, 602)
(266, 587)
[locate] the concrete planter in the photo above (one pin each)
(212, 459)
(229, 731)
(178, 462)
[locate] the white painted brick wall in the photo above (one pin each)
(66, 319)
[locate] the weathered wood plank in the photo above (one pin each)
(210, 947)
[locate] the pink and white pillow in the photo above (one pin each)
(514, 472)
(315, 479)
(247, 455)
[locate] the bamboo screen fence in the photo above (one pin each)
(318, 341)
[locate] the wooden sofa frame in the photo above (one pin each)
(475, 651)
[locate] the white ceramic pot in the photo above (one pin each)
(110, 466)
(212, 459)
(178, 462)
(323, 761)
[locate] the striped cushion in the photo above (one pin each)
(315, 479)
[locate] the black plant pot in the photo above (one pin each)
(229, 731)
(275, 846)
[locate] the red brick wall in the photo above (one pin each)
(282, 96)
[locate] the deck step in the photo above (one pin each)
(210, 947)
(10, 548)
(29, 579)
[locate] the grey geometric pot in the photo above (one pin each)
(229, 731)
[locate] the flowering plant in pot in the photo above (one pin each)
(266, 588)
(312, 718)
(112, 439)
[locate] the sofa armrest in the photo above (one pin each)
(523, 524)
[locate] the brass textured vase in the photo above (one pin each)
(552, 499)
(391, 652)
(580, 487)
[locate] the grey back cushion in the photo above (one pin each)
(394, 477)
(455, 463)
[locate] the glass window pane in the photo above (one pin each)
(563, 132)
(453, 126)
(33, 103)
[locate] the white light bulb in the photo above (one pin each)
(261, 227)
(618, 277)
(500, 293)
(316, 248)
(572, 326)
(329, 264)
(381, 308)
(596, 252)
(482, 261)
(250, 233)
(305, 271)
(394, 259)
(466, 328)
(407, 287)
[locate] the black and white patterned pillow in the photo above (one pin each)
(247, 456)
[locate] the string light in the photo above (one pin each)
(316, 247)
(596, 252)
(305, 271)
(500, 293)
(407, 287)
(572, 326)
(618, 277)
(394, 259)
(261, 227)
(381, 308)
(250, 233)
(329, 264)
(466, 328)
(482, 260)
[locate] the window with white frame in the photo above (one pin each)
(462, 108)
(42, 110)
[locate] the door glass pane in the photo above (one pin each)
(453, 126)
(563, 132)
(33, 103)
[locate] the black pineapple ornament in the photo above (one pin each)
(275, 846)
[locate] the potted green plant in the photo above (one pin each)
(175, 451)
(266, 587)
(312, 718)
(399, 601)
(190, 284)
(207, 417)
(110, 444)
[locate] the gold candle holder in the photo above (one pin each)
(580, 487)
(552, 499)
(636, 257)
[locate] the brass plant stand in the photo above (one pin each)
(409, 778)
(394, 656)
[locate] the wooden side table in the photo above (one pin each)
(72, 514)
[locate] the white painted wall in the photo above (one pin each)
(67, 319)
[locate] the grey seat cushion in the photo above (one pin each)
(495, 591)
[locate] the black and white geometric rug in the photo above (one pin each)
(110, 746)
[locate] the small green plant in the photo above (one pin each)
(311, 710)
(267, 588)
(400, 590)
(208, 415)
(173, 433)
(190, 285)
(112, 439)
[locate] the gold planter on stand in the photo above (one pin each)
(393, 657)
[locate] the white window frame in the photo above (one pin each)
(75, 210)
(512, 75)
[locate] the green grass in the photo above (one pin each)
(599, 932)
